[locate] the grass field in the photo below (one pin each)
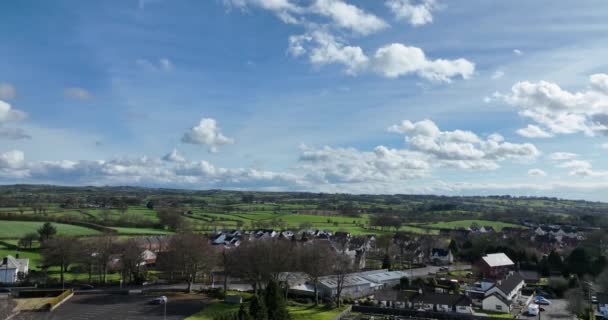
(16, 229)
(497, 225)
(310, 312)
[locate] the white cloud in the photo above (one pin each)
(77, 93)
(13, 134)
(12, 159)
(415, 14)
(208, 133)
(560, 156)
(8, 114)
(348, 16)
(348, 165)
(174, 156)
(518, 52)
(559, 111)
(7, 91)
(537, 173)
(605, 146)
(462, 149)
(392, 61)
(582, 168)
(532, 131)
(497, 74)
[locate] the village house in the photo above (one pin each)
(13, 269)
(504, 294)
(441, 256)
(495, 265)
(441, 302)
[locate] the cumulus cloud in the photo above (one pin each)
(462, 149)
(582, 168)
(391, 61)
(416, 14)
(605, 146)
(518, 52)
(7, 91)
(537, 173)
(532, 131)
(349, 165)
(348, 16)
(174, 156)
(8, 114)
(12, 159)
(77, 93)
(559, 111)
(207, 132)
(163, 64)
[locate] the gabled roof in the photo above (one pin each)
(497, 260)
(511, 282)
(440, 252)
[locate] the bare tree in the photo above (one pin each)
(60, 251)
(103, 248)
(189, 254)
(171, 218)
(342, 267)
(131, 259)
(316, 260)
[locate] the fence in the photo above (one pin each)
(418, 314)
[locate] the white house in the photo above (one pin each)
(11, 268)
(500, 297)
(441, 302)
(441, 256)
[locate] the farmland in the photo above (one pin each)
(16, 229)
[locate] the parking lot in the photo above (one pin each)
(119, 307)
(557, 310)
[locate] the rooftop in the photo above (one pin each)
(497, 260)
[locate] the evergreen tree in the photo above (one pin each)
(275, 303)
(257, 309)
(386, 262)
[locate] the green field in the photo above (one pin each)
(497, 225)
(16, 229)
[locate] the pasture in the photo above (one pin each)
(17, 229)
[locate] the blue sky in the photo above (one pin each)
(394, 96)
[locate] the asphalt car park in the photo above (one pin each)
(119, 307)
(558, 309)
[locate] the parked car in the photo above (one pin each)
(159, 300)
(86, 286)
(444, 269)
(542, 301)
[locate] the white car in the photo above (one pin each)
(159, 300)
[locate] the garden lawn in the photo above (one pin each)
(17, 229)
(310, 312)
(214, 309)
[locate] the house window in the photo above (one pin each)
(498, 307)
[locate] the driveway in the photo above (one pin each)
(557, 310)
(119, 307)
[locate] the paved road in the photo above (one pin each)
(557, 310)
(118, 307)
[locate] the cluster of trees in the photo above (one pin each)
(385, 221)
(264, 262)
